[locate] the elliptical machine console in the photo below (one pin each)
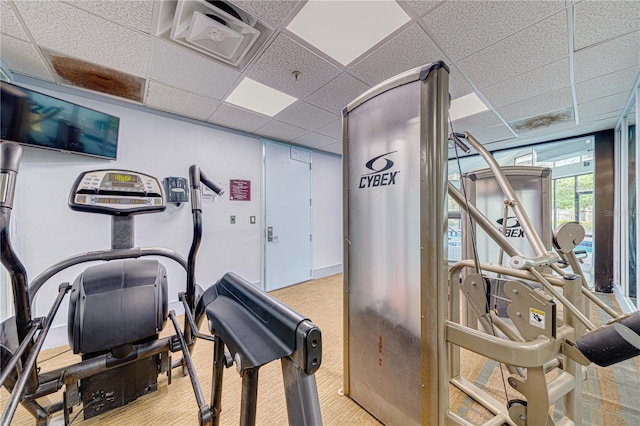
(117, 192)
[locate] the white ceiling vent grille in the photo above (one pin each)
(214, 28)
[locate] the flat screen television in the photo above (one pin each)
(35, 119)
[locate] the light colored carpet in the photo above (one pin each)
(610, 394)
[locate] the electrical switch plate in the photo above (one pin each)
(233, 219)
(252, 219)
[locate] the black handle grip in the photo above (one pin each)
(210, 184)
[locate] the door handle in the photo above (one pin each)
(270, 237)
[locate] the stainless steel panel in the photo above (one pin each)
(532, 186)
(395, 246)
(384, 254)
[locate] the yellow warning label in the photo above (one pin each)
(536, 318)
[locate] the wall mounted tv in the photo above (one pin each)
(39, 120)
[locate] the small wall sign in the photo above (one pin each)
(239, 190)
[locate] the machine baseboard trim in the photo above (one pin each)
(326, 271)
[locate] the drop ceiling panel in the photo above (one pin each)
(189, 71)
(336, 94)
(74, 32)
(603, 117)
(617, 82)
(9, 24)
(477, 121)
(409, 49)
(335, 148)
(548, 128)
(536, 82)
(465, 27)
(597, 21)
(284, 56)
(306, 116)
(238, 118)
(22, 58)
(178, 101)
(314, 140)
(493, 134)
(609, 57)
(132, 14)
(282, 131)
(537, 45)
(540, 104)
(333, 130)
(458, 85)
(273, 12)
(608, 104)
(422, 7)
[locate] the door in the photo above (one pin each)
(287, 236)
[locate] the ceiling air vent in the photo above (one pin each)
(214, 28)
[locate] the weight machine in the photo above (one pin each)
(402, 316)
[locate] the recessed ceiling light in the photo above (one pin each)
(466, 106)
(345, 30)
(259, 98)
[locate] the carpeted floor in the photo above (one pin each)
(610, 397)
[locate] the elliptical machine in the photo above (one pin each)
(117, 310)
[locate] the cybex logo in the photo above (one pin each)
(379, 176)
(512, 227)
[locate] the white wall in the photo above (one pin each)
(45, 230)
(326, 214)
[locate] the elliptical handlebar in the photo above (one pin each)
(10, 154)
(196, 177)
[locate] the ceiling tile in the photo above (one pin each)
(597, 21)
(314, 140)
(167, 98)
(537, 45)
(422, 7)
(274, 12)
(540, 104)
(609, 104)
(541, 80)
(617, 82)
(22, 58)
(493, 134)
(458, 85)
(335, 148)
(181, 68)
(9, 24)
(477, 121)
(284, 56)
(333, 130)
(306, 116)
(281, 131)
(608, 116)
(465, 27)
(609, 57)
(130, 13)
(238, 118)
(550, 127)
(336, 94)
(74, 32)
(409, 49)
